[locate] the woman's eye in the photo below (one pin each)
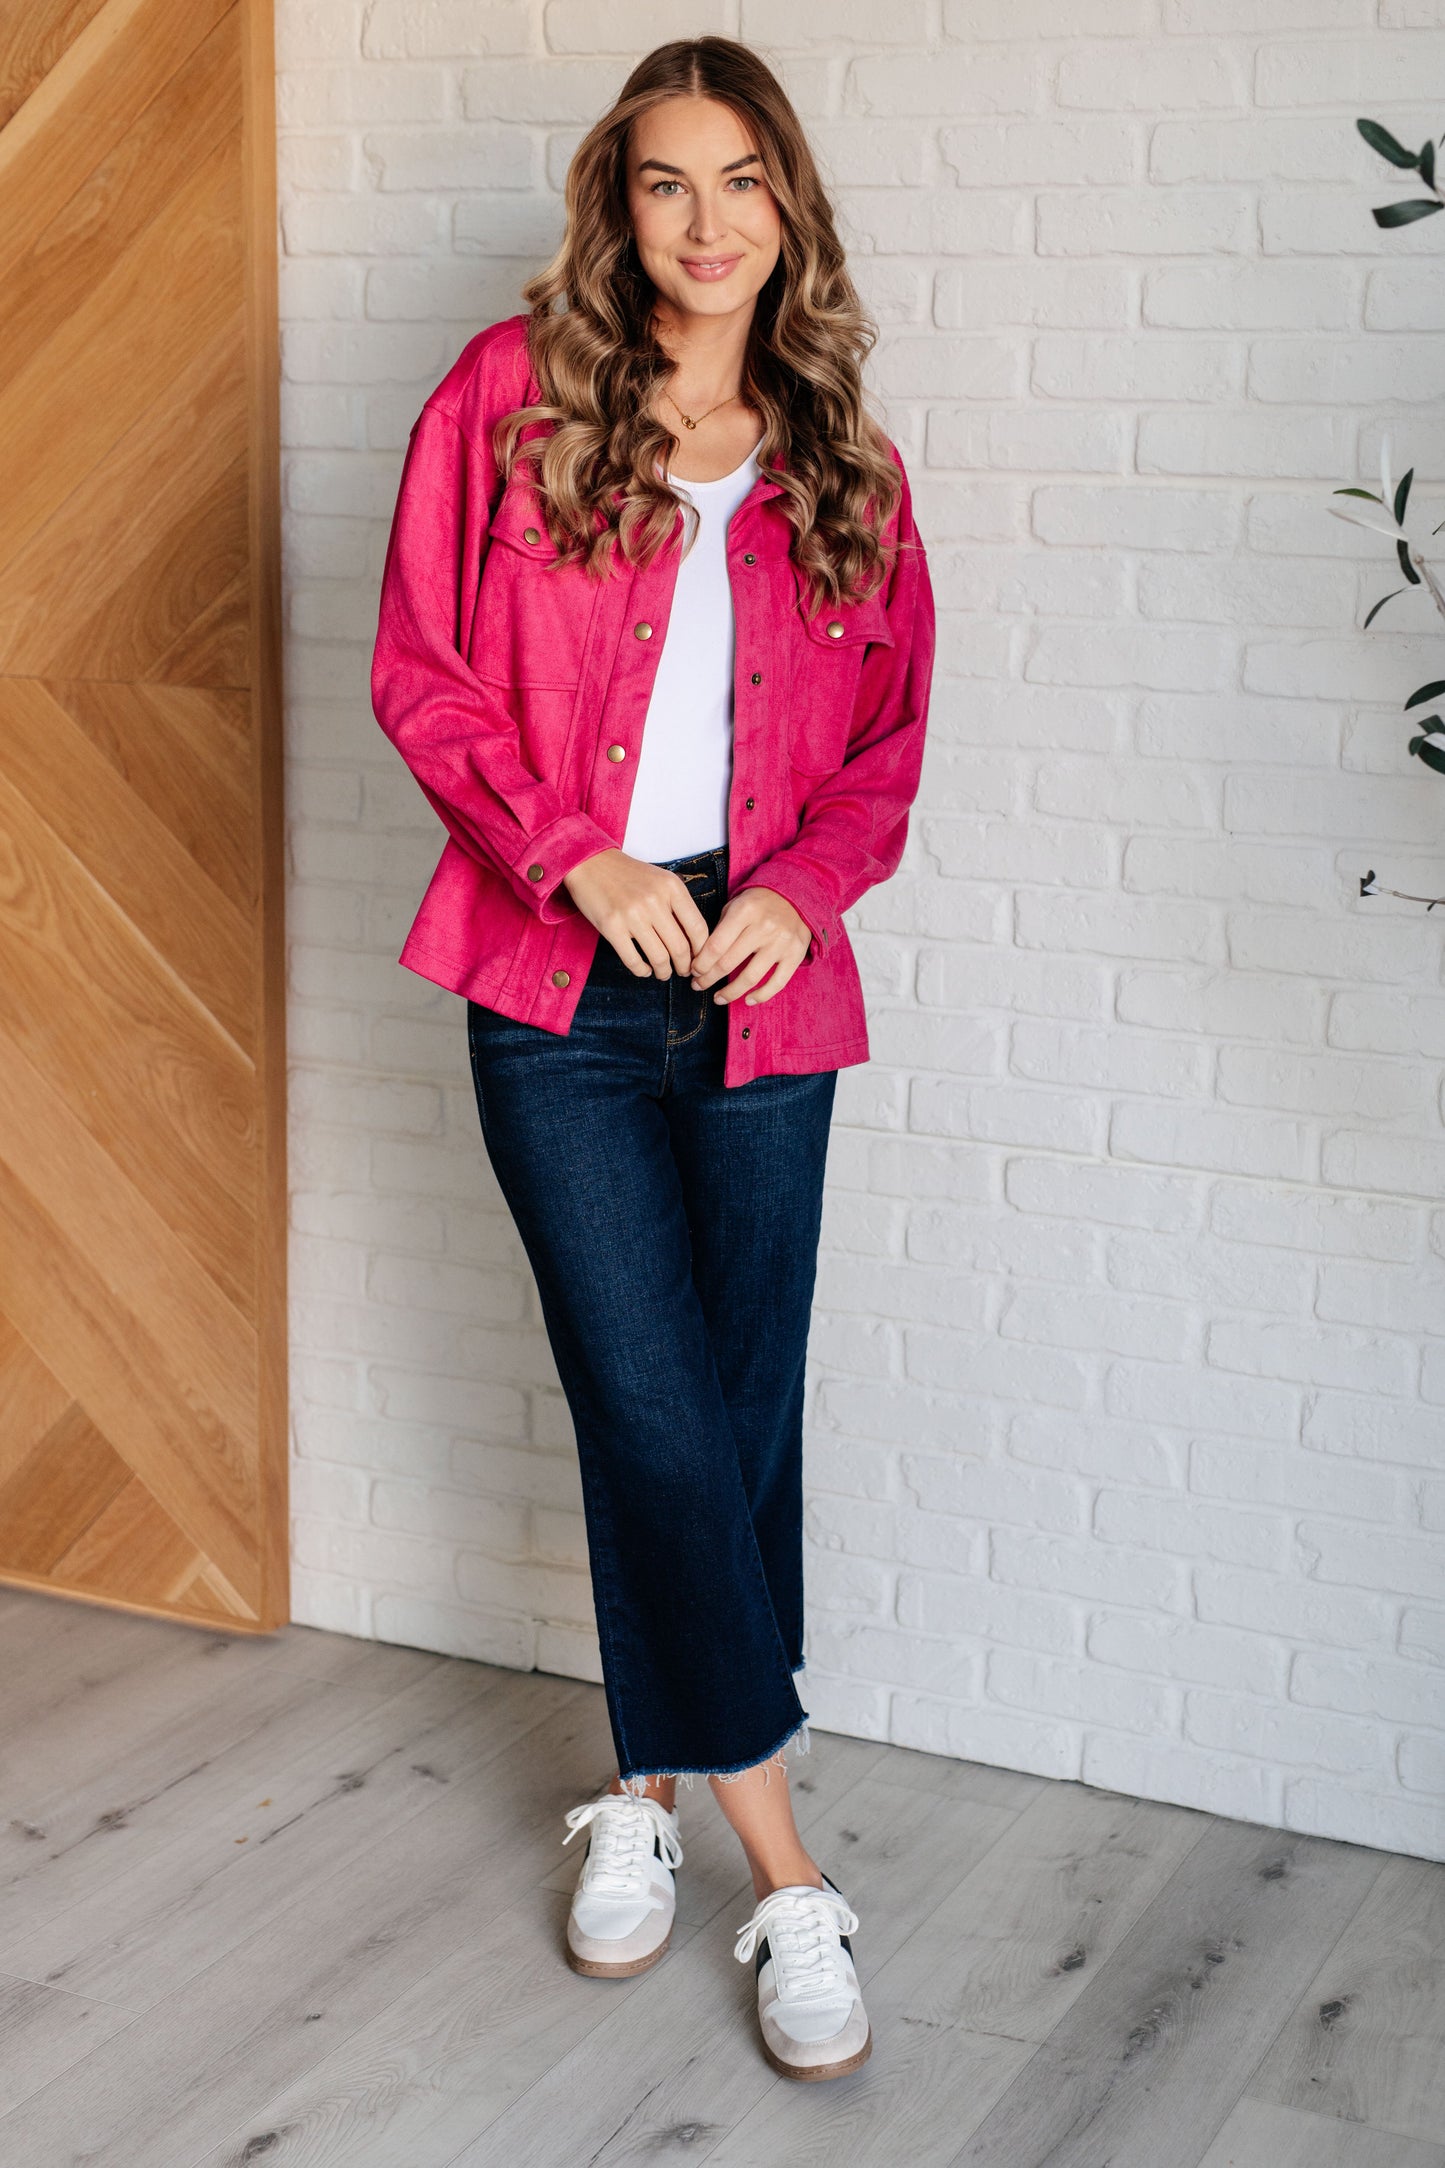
(745, 180)
(658, 186)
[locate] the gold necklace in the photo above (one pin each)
(688, 420)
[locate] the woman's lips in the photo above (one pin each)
(709, 267)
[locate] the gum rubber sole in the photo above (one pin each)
(823, 2070)
(591, 1970)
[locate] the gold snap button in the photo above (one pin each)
(747, 1031)
(749, 803)
(642, 631)
(561, 978)
(530, 534)
(617, 752)
(534, 873)
(834, 629)
(749, 558)
(757, 677)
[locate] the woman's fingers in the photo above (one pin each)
(691, 920)
(654, 948)
(727, 946)
(654, 924)
(637, 905)
(782, 971)
(675, 940)
(757, 967)
(707, 962)
(619, 935)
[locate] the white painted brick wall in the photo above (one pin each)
(1126, 1449)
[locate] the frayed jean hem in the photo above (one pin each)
(636, 1781)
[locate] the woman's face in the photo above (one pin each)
(705, 220)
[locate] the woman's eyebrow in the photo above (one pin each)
(752, 159)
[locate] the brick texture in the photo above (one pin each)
(1127, 1393)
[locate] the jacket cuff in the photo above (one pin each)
(550, 856)
(806, 895)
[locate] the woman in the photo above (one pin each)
(656, 636)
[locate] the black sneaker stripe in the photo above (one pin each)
(834, 1887)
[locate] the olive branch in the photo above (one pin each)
(1393, 498)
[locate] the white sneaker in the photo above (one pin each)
(809, 2006)
(622, 1907)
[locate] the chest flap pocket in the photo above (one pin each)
(532, 613)
(827, 661)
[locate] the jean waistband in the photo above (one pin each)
(705, 872)
(697, 862)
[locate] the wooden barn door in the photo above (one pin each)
(142, 1184)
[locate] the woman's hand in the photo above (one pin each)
(629, 901)
(760, 931)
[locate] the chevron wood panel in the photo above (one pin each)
(32, 39)
(139, 493)
(142, 1181)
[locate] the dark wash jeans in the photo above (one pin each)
(672, 1226)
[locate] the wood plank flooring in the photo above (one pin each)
(298, 1901)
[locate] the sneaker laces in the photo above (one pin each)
(802, 1928)
(623, 1832)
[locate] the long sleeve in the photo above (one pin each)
(449, 727)
(855, 823)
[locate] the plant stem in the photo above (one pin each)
(1437, 596)
(1405, 897)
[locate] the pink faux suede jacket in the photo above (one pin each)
(516, 690)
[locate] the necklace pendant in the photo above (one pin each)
(688, 422)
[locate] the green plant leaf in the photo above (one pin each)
(1402, 551)
(1405, 214)
(1432, 755)
(1427, 163)
(1434, 691)
(1381, 140)
(1372, 495)
(1374, 613)
(1402, 495)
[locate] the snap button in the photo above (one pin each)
(834, 629)
(747, 1031)
(749, 558)
(642, 631)
(534, 873)
(561, 978)
(757, 677)
(617, 752)
(749, 803)
(530, 534)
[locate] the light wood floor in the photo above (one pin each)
(298, 1901)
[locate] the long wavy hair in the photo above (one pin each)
(595, 356)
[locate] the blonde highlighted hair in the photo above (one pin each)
(598, 363)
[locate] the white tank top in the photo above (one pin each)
(684, 768)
